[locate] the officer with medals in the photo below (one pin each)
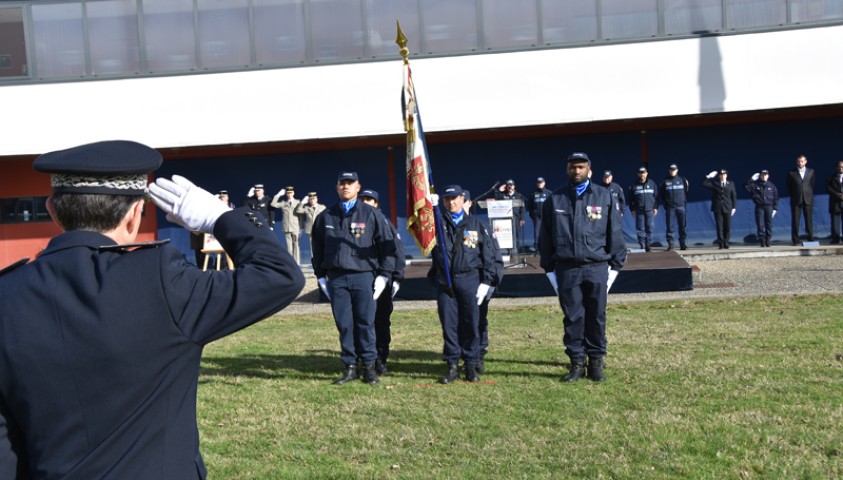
(383, 311)
(461, 283)
(582, 250)
(353, 260)
(101, 337)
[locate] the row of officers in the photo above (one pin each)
(645, 196)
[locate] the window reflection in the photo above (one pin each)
(450, 25)
(569, 21)
(693, 16)
(59, 41)
(169, 33)
(337, 29)
(224, 33)
(13, 62)
(629, 18)
(113, 37)
(509, 24)
(382, 15)
(755, 13)
(279, 31)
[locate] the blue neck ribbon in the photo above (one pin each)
(457, 217)
(581, 187)
(347, 206)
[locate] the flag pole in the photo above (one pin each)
(412, 135)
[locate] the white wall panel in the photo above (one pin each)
(649, 79)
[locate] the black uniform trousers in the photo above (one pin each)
(808, 212)
(459, 315)
(681, 223)
(764, 222)
(353, 305)
(723, 221)
(582, 296)
(383, 322)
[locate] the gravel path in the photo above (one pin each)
(717, 278)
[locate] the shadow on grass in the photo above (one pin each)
(325, 365)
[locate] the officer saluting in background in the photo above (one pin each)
(471, 269)
(101, 338)
(353, 259)
(582, 250)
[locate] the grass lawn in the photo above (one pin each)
(722, 389)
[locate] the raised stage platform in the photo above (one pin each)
(657, 271)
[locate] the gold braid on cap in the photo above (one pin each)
(122, 182)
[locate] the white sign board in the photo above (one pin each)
(499, 208)
(502, 230)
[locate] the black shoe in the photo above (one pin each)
(810, 239)
(481, 367)
(725, 245)
(647, 248)
(595, 369)
(380, 366)
(370, 376)
(452, 374)
(669, 247)
(682, 246)
(575, 372)
(471, 374)
(349, 375)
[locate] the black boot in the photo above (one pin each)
(471, 374)
(669, 247)
(380, 366)
(575, 372)
(452, 374)
(682, 246)
(647, 247)
(595, 369)
(349, 375)
(370, 376)
(481, 367)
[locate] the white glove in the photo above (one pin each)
(552, 277)
(613, 274)
(434, 199)
(711, 174)
(733, 212)
(755, 177)
(395, 287)
(774, 214)
(280, 193)
(482, 290)
(380, 284)
(186, 204)
(323, 285)
(251, 192)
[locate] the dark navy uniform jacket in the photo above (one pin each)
(723, 198)
(536, 201)
(580, 230)
(100, 349)
(643, 197)
(764, 194)
(673, 191)
(360, 241)
(617, 193)
(469, 249)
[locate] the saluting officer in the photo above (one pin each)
(724, 201)
(289, 220)
(307, 211)
(461, 286)
(765, 196)
(582, 250)
(258, 201)
(673, 193)
(643, 204)
(101, 337)
(383, 310)
(353, 260)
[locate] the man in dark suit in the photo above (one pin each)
(724, 201)
(101, 337)
(800, 186)
(834, 187)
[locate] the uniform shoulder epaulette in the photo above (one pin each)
(134, 246)
(22, 261)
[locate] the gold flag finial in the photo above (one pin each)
(401, 40)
